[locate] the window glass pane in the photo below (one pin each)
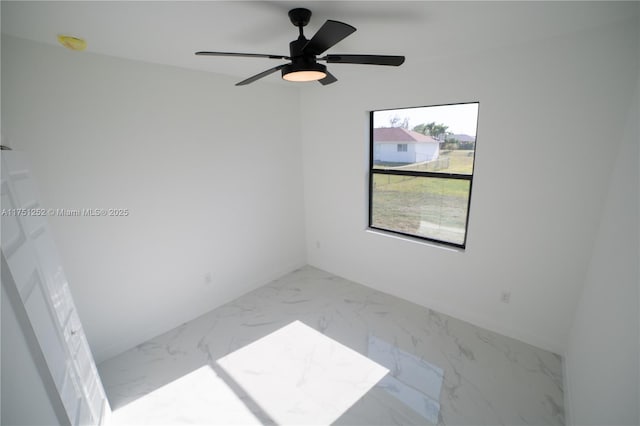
(434, 208)
(449, 161)
(435, 139)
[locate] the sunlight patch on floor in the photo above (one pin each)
(300, 376)
(199, 397)
(294, 375)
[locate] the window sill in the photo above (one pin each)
(414, 240)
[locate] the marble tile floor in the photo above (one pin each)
(313, 348)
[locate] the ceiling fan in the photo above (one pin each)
(303, 65)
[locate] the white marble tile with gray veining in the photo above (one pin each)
(313, 348)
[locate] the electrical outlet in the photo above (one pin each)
(208, 278)
(505, 297)
(317, 244)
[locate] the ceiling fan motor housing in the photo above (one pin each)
(301, 60)
(296, 48)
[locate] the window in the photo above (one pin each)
(424, 193)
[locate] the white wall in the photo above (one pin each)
(532, 217)
(210, 173)
(601, 362)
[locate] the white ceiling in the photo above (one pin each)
(170, 32)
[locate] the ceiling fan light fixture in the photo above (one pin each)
(303, 73)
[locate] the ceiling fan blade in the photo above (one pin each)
(364, 59)
(262, 74)
(330, 78)
(329, 34)
(244, 55)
